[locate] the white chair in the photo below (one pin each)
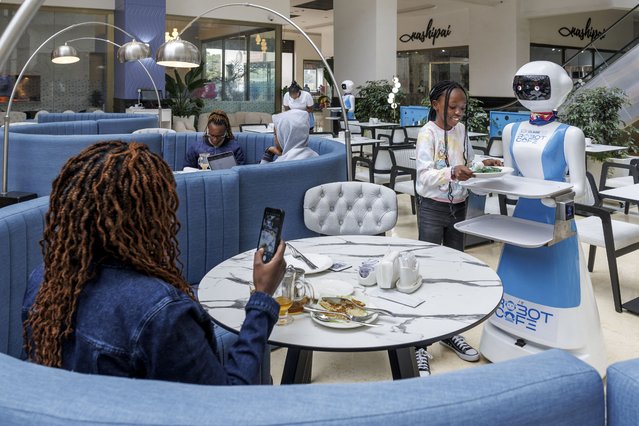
(404, 164)
(69, 111)
(600, 230)
(350, 208)
(396, 135)
(159, 130)
(617, 182)
(412, 132)
(378, 169)
(42, 111)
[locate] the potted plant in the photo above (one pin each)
(596, 112)
(372, 101)
(180, 90)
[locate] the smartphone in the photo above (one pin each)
(271, 232)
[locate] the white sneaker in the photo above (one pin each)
(422, 356)
(463, 350)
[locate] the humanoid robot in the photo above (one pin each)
(548, 300)
(349, 99)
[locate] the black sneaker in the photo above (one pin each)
(422, 356)
(461, 348)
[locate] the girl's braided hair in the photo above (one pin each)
(114, 201)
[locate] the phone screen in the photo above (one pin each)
(270, 232)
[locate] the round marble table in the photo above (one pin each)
(458, 292)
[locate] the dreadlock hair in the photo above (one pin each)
(445, 88)
(219, 118)
(113, 201)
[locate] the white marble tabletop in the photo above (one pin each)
(623, 193)
(359, 140)
(458, 290)
(369, 125)
(596, 148)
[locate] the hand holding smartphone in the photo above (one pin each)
(270, 232)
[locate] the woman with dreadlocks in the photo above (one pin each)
(444, 158)
(110, 299)
(217, 139)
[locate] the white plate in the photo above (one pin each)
(328, 288)
(504, 171)
(321, 261)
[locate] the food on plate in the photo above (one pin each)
(349, 306)
(488, 169)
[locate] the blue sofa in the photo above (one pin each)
(545, 389)
(102, 126)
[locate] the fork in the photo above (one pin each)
(356, 319)
(297, 255)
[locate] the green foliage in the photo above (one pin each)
(596, 112)
(476, 117)
(372, 101)
(179, 90)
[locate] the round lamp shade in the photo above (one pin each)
(133, 51)
(64, 55)
(178, 53)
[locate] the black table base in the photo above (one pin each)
(299, 365)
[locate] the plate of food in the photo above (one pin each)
(492, 171)
(322, 262)
(347, 305)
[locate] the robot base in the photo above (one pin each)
(497, 345)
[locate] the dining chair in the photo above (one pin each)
(632, 178)
(350, 208)
(601, 230)
(378, 168)
(404, 164)
(412, 132)
(493, 148)
(395, 135)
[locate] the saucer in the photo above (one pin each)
(411, 288)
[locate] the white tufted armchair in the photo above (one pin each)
(350, 208)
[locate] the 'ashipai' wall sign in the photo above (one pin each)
(431, 33)
(586, 32)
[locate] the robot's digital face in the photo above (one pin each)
(532, 87)
(343, 86)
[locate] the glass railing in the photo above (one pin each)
(607, 47)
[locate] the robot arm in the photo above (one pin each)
(575, 153)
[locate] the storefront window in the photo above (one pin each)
(82, 86)
(419, 70)
(313, 75)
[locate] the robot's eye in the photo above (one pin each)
(519, 87)
(536, 88)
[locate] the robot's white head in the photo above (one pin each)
(541, 86)
(348, 85)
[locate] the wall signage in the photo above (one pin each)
(582, 33)
(431, 33)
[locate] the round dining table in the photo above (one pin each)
(457, 292)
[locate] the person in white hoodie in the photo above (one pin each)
(290, 138)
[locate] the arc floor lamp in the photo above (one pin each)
(130, 51)
(68, 54)
(180, 53)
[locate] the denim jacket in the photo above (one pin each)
(133, 325)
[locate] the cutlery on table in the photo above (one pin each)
(298, 255)
(356, 319)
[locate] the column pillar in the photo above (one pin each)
(365, 40)
(146, 20)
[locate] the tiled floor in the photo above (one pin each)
(621, 331)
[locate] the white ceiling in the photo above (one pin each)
(311, 20)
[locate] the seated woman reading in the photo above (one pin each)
(290, 137)
(217, 139)
(110, 298)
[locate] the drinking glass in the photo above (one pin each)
(203, 160)
(285, 294)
